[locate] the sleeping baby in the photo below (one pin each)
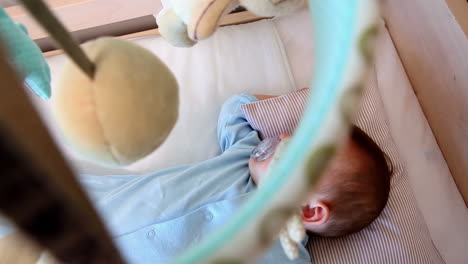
(352, 191)
(154, 218)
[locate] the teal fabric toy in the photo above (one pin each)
(25, 55)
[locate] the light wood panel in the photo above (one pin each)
(459, 9)
(434, 52)
(231, 19)
(7, 3)
(85, 14)
(55, 3)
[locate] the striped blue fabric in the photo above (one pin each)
(400, 234)
(272, 117)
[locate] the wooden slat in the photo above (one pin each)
(53, 3)
(85, 14)
(7, 3)
(46, 190)
(459, 9)
(434, 52)
(231, 19)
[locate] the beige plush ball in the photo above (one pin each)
(125, 112)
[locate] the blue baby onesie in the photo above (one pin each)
(155, 217)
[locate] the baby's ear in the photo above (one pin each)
(315, 213)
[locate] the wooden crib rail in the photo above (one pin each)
(433, 47)
(38, 191)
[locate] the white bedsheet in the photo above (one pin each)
(244, 58)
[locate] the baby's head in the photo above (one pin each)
(352, 191)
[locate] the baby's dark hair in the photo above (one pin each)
(356, 199)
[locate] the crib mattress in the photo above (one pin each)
(275, 57)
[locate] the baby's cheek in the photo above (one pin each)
(253, 171)
(258, 169)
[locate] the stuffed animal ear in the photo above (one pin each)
(173, 29)
(205, 17)
(25, 55)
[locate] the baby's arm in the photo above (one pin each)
(264, 96)
(232, 125)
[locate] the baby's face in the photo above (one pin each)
(346, 160)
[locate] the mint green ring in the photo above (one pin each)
(337, 25)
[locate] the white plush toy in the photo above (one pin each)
(125, 112)
(291, 235)
(184, 22)
(115, 101)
